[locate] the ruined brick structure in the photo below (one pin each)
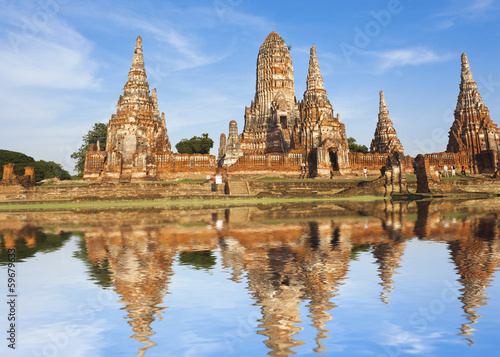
(385, 139)
(395, 177)
(473, 131)
(274, 111)
(282, 136)
(137, 146)
(9, 177)
(319, 131)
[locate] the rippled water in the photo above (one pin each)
(375, 279)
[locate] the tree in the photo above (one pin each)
(99, 132)
(288, 46)
(195, 145)
(50, 169)
(353, 147)
(19, 159)
(43, 169)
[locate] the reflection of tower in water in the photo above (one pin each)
(140, 259)
(286, 267)
(389, 254)
(476, 257)
(141, 273)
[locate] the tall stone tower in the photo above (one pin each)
(318, 131)
(274, 110)
(473, 131)
(137, 130)
(385, 139)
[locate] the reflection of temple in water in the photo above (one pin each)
(294, 263)
(476, 258)
(475, 250)
(288, 266)
(140, 259)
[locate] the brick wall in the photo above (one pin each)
(373, 163)
(281, 165)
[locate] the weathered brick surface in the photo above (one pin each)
(137, 146)
(10, 178)
(473, 132)
(275, 123)
(385, 138)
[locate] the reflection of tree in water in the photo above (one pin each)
(202, 260)
(98, 271)
(30, 240)
(358, 249)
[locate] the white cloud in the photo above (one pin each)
(40, 50)
(460, 11)
(406, 57)
(396, 340)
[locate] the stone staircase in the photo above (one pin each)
(238, 188)
(286, 139)
(126, 174)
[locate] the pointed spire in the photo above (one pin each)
(382, 105)
(466, 74)
(137, 73)
(472, 120)
(155, 100)
(385, 139)
(138, 45)
(469, 95)
(314, 78)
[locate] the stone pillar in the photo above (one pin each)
(428, 177)
(29, 173)
(222, 147)
(8, 172)
(395, 175)
(233, 149)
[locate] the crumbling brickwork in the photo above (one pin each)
(385, 138)
(275, 123)
(137, 145)
(428, 175)
(473, 131)
(9, 177)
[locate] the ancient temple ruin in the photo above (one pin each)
(274, 111)
(473, 132)
(282, 135)
(137, 146)
(474, 140)
(385, 139)
(285, 137)
(9, 177)
(319, 132)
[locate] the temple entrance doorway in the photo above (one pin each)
(334, 161)
(283, 122)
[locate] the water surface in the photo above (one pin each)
(356, 279)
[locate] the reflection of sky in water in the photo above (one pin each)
(206, 311)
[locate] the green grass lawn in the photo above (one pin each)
(171, 181)
(138, 204)
(458, 177)
(339, 179)
(65, 184)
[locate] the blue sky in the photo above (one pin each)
(64, 64)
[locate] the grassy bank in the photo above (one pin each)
(197, 203)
